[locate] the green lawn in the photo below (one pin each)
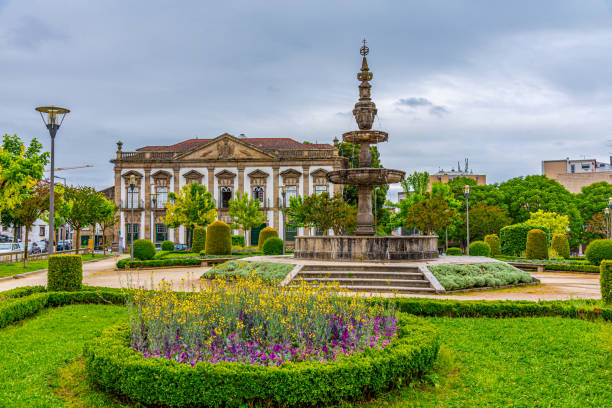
(527, 362)
(16, 268)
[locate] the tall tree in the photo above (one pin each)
(82, 203)
(193, 205)
(484, 220)
(324, 212)
(245, 213)
(431, 215)
(556, 223)
(107, 217)
(35, 203)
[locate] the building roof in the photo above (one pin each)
(265, 143)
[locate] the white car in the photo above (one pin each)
(11, 247)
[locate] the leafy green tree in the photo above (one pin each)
(324, 212)
(596, 227)
(245, 213)
(591, 202)
(432, 214)
(193, 205)
(82, 204)
(484, 220)
(106, 217)
(415, 190)
(556, 223)
(32, 206)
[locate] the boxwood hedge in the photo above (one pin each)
(126, 263)
(115, 367)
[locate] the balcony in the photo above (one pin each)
(144, 156)
(127, 204)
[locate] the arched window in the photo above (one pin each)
(258, 193)
(226, 196)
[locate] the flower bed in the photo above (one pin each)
(269, 272)
(491, 274)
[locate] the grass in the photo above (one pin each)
(492, 274)
(271, 272)
(15, 268)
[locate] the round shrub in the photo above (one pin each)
(264, 234)
(513, 238)
(598, 250)
(454, 251)
(198, 242)
(144, 249)
(605, 281)
(167, 246)
(238, 240)
(273, 246)
(115, 367)
(480, 248)
(218, 239)
(560, 245)
(493, 241)
(536, 245)
(65, 273)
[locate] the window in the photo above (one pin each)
(162, 196)
(41, 231)
(135, 228)
(572, 168)
(586, 166)
(320, 189)
(258, 193)
(132, 198)
(161, 232)
(290, 191)
(226, 196)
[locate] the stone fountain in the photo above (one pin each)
(365, 245)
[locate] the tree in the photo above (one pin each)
(82, 203)
(596, 227)
(324, 212)
(245, 213)
(20, 169)
(106, 216)
(415, 189)
(484, 220)
(556, 224)
(193, 205)
(34, 204)
(591, 202)
(430, 215)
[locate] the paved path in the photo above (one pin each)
(555, 286)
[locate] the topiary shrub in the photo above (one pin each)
(599, 250)
(513, 238)
(198, 242)
(273, 246)
(536, 245)
(560, 245)
(144, 249)
(480, 248)
(238, 240)
(454, 251)
(605, 281)
(264, 234)
(65, 273)
(218, 239)
(493, 241)
(167, 246)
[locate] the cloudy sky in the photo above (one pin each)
(503, 83)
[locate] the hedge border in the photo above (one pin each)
(127, 264)
(116, 368)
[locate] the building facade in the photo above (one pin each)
(225, 165)
(575, 174)
(446, 176)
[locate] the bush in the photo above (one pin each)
(490, 274)
(198, 242)
(144, 249)
(65, 272)
(572, 268)
(599, 250)
(536, 245)
(605, 280)
(218, 239)
(152, 263)
(167, 246)
(513, 238)
(493, 241)
(238, 240)
(560, 245)
(480, 248)
(273, 246)
(454, 251)
(264, 234)
(114, 366)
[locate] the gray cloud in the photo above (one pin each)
(414, 102)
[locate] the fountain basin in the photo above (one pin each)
(365, 176)
(366, 248)
(365, 136)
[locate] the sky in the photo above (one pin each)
(506, 84)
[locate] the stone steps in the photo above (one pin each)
(421, 283)
(345, 274)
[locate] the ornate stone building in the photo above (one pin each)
(225, 165)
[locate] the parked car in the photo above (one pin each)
(33, 248)
(157, 246)
(181, 247)
(43, 245)
(11, 247)
(5, 238)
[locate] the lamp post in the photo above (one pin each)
(153, 207)
(131, 188)
(284, 196)
(609, 226)
(607, 218)
(54, 119)
(466, 192)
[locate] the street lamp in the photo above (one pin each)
(607, 217)
(131, 189)
(284, 195)
(154, 202)
(609, 226)
(466, 192)
(54, 119)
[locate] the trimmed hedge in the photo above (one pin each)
(493, 241)
(115, 367)
(480, 248)
(238, 240)
(218, 239)
(273, 246)
(144, 249)
(264, 234)
(598, 250)
(199, 239)
(65, 272)
(605, 280)
(536, 245)
(167, 246)
(513, 238)
(571, 268)
(454, 251)
(560, 245)
(125, 263)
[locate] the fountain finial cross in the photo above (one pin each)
(364, 50)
